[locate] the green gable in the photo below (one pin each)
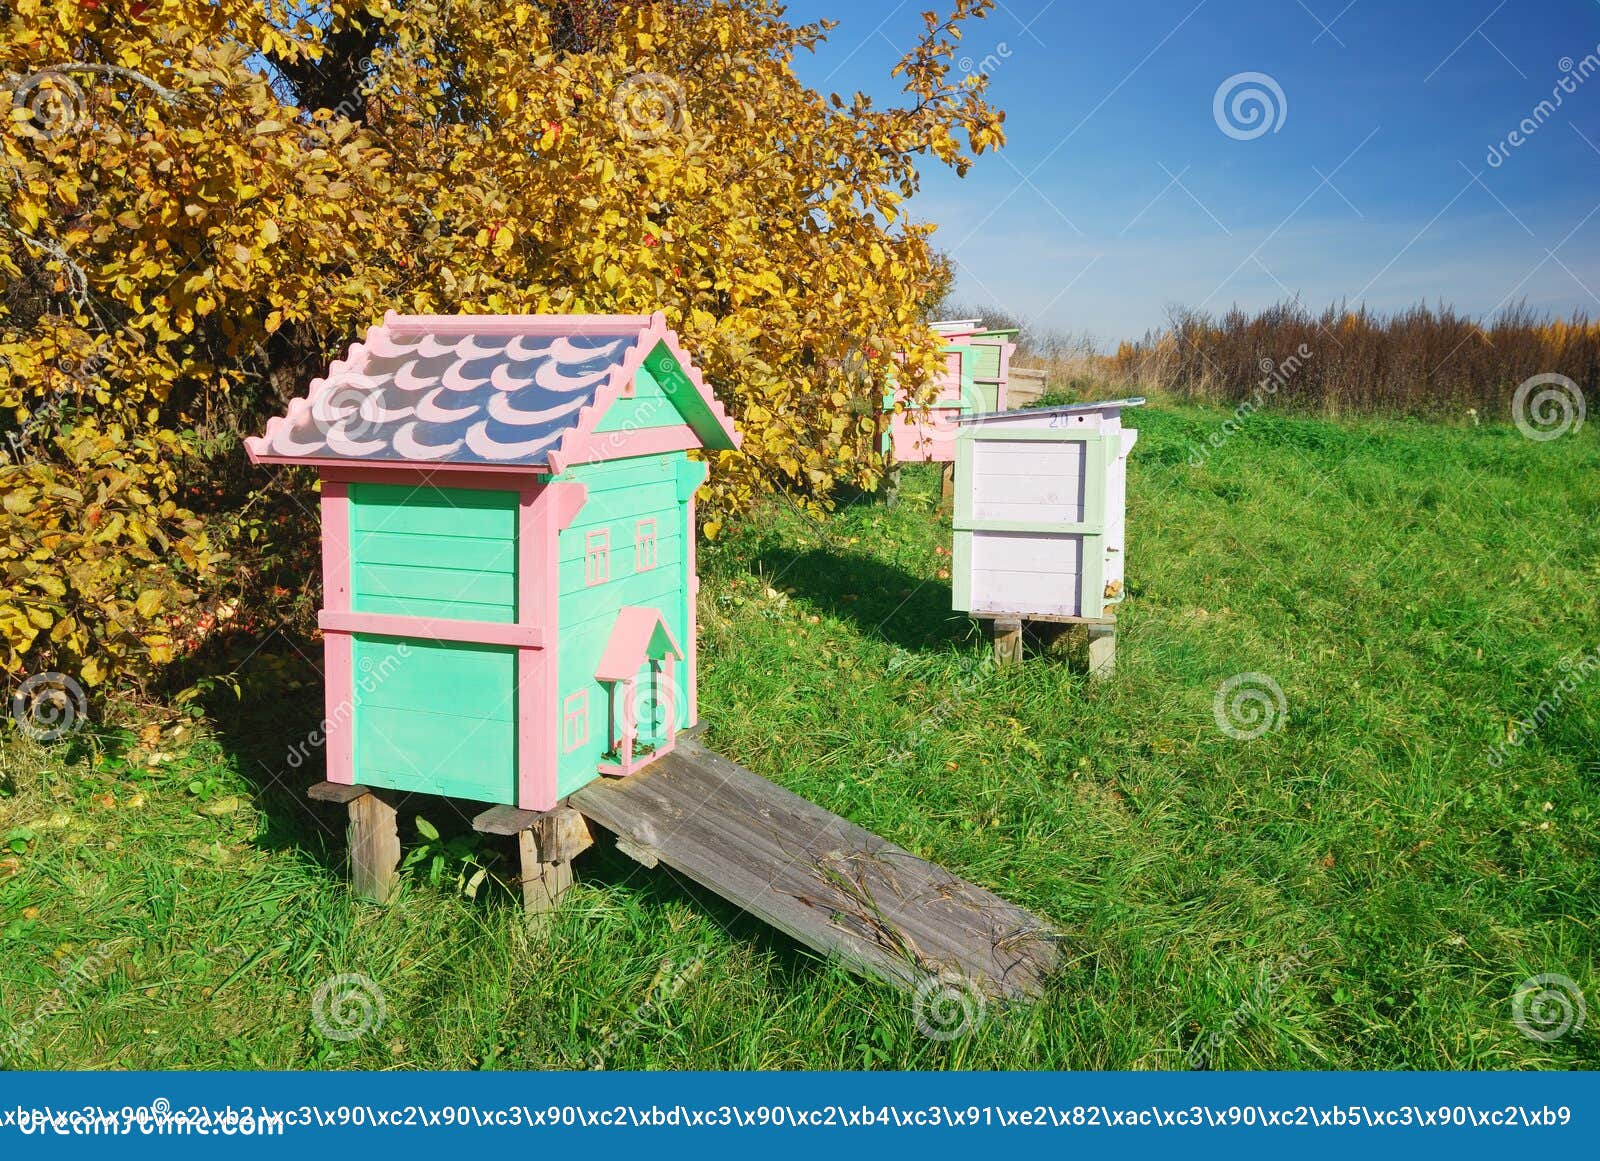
(663, 396)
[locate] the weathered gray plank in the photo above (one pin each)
(833, 886)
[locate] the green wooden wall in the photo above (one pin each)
(621, 493)
(435, 717)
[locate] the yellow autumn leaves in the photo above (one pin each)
(184, 246)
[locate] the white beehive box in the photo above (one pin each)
(1039, 512)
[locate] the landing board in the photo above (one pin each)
(841, 890)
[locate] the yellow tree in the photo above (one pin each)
(204, 199)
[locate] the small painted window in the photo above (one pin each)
(597, 557)
(644, 545)
(575, 720)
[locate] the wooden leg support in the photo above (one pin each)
(547, 849)
(1007, 636)
(373, 838)
(546, 844)
(1102, 651)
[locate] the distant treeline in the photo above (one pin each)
(1418, 361)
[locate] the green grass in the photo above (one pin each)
(1359, 888)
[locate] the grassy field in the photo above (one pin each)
(1360, 887)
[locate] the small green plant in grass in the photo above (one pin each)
(17, 839)
(458, 860)
(206, 787)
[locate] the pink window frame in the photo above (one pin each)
(575, 720)
(597, 557)
(644, 545)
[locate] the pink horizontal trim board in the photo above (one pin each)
(461, 476)
(598, 447)
(519, 324)
(433, 629)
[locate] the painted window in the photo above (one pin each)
(644, 545)
(597, 557)
(575, 720)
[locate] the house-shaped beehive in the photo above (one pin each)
(1039, 512)
(991, 366)
(508, 549)
(973, 382)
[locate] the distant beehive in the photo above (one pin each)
(977, 362)
(1039, 499)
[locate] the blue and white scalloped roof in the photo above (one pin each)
(473, 389)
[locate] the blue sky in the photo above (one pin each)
(1119, 195)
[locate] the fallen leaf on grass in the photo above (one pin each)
(225, 805)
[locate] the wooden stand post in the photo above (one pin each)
(1102, 651)
(1006, 633)
(546, 845)
(947, 483)
(372, 836)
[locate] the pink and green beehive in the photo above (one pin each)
(508, 549)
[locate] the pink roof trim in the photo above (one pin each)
(578, 445)
(639, 634)
(518, 324)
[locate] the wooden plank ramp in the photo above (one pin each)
(840, 890)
